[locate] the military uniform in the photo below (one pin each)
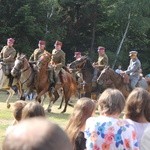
(58, 59)
(134, 70)
(99, 65)
(8, 56)
(36, 54)
(102, 62)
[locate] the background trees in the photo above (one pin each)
(82, 25)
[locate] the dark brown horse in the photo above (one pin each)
(84, 66)
(110, 79)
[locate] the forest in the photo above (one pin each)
(82, 25)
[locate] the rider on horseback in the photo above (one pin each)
(134, 69)
(100, 64)
(57, 61)
(7, 55)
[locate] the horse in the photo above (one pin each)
(110, 79)
(25, 74)
(84, 66)
(68, 88)
(4, 85)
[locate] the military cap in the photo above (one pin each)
(133, 53)
(11, 40)
(101, 48)
(42, 42)
(77, 53)
(58, 43)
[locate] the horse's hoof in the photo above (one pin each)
(48, 110)
(63, 112)
(8, 106)
(59, 108)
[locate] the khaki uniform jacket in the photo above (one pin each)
(36, 54)
(8, 54)
(102, 61)
(58, 58)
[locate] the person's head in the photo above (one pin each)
(36, 134)
(10, 42)
(101, 50)
(17, 109)
(111, 102)
(77, 55)
(42, 45)
(138, 105)
(33, 109)
(83, 109)
(133, 54)
(58, 45)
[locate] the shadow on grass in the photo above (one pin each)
(58, 115)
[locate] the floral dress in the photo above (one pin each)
(106, 133)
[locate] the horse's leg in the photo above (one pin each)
(62, 100)
(11, 93)
(39, 94)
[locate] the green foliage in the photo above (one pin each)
(82, 25)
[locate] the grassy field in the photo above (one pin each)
(6, 117)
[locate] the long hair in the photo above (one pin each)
(82, 111)
(138, 105)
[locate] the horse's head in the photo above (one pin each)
(43, 60)
(105, 77)
(18, 65)
(78, 64)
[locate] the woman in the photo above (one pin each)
(137, 110)
(83, 109)
(107, 131)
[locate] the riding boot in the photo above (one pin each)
(94, 80)
(51, 80)
(11, 78)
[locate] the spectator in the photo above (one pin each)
(17, 113)
(17, 110)
(145, 140)
(36, 134)
(83, 109)
(33, 109)
(137, 110)
(107, 131)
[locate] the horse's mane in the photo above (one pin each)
(88, 64)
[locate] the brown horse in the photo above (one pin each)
(69, 88)
(68, 83)
(110, 79)
(84, 66)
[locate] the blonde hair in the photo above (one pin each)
(33, 109)
(83, 109)
(138, 105)
(111, 102)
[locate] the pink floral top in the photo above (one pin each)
(106, 133)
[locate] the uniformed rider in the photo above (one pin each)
(7, 55)
(38, 52)
(134, 69)
(100, 64)
(58, 60)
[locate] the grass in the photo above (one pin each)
(6, 117)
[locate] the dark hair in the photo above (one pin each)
(138, 105)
